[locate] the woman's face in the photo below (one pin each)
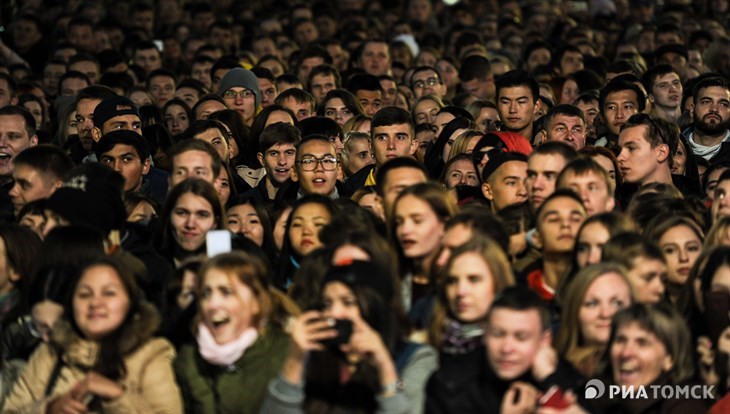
(638, 357)
(100, 302)
(280, 228)
(72, 125)
(426, 112)
(679, 159)
(192, 218)
(360, 155)
(44, 315)
(450, 143)
(607, 165)
(306, 222)
(227, 305)
(140, 98)
(680, 246)
(224, 186)
(187, 290)
(647, 276)
(469, 287)
(462, 172)
(441, 120)
(448, 73)
(36, 110)
(340, 302)
(569, 93)
(590, 244)
(371, 202)
(417, 227)
(336, 109)
(244, 219)
(608, 294)
(176, 119)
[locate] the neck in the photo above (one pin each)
(525, 132)
(673, 292)
(661, 175)
(708, 140)
(669, 114)
(272, 187)
(554, 268)
(423, 264)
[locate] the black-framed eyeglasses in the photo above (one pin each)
(309, 163)
(244, 94)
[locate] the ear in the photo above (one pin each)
(487, 191)
(538, 104)
(667, 363)
(651, 97)
(414, 146)
(662, 152)
(294, 176)
(146, 166)
(260, 157)
(537, 239)
(547, 337)
(14, 100)
(96, 134)
(14, 276)
(610, 204)
(34, 140)
(542, 136)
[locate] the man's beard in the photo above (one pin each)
(711, 129)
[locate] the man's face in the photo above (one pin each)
(148, 59)
(278, 161)
(675, 60)
(571, 62)
(513, 340)
(201, 72)
(29, 186)
(568, 129)
(667, 91)
(721, 200)
(5, 97)
(542, 173)
(162, 89)
(208, 107)
(13, 139)
(392, 141)
(268, 92)
(428, 82)
(360, 155)
(189, 95)
(488, 120)
(25, 34)
(264, 46)
(243, 101)
(302, 110)
(506, 186)
(390, 90)
(592, 189)
(88, 68)
(537, 57)
(82, 37)
(618, 108)
(712, 110)
(638, 160)
(316, 168)
(85, 121)
(125, 160)
(371, 101)
(215, 138)
(192, 164)
(51, 75)
(375, 58)
(307, 65)
(396, 181)
(481, 88)
(223, 38)
(558, 224)
(516, 107)
(321, 84)
(129, 122)
(72, 86)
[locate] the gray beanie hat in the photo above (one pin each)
(241, 78)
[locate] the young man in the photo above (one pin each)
(194, 158)
(278, 144)
(147, 56)
(543, 168)
(127, 153)
(315, 168)
(310, 58)
(565, 123)
(267, 85)
(212, 132)
(710, 135)
(240, 90)
(503, 179)
(476, 77)
(374, 57)
(322, 79)
(190, 91)
(17, 132)
(86, 64)
(38, 172)
(512, 370)
(425, 80)
(299, 101)
(368, 92)
(646, 156)
(619, 100)
(592, 184)
(8, 90)
(394, 176)
(161, 85)
(665, 92)
(113, 114)
(517, 102)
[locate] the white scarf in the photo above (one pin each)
(703, 151)
(224, 354)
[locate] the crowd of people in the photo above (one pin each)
(364, 206)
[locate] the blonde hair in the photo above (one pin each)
(462, 142)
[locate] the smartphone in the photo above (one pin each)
(554, 398)
(344, 332)
(217, 242)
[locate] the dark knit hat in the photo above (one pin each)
(360, 273)
(241, 78)
(497, 159)
(88, 200)
(111, 107)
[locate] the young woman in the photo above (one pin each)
(419, 216)
(646, 267)
(339, 105)
(247, 216)
(356, 344)
(594, 233)
(474, 274)
(425, 109)
(680, 238)
(177, 116)
(596, 293)
(240, 339)
(102, 356)
(192, 209)
(464, 143)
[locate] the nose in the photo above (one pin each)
(620, 113)
(606, 311)
(513, 107)
(190, 222)
(14, 192)
(443, 257)
(521, 189)
(506, 346)
(117, 165)
(621, 156)
(239, 99)
(391, 143)
(594, 256)
(462, 288)
(683, 256)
